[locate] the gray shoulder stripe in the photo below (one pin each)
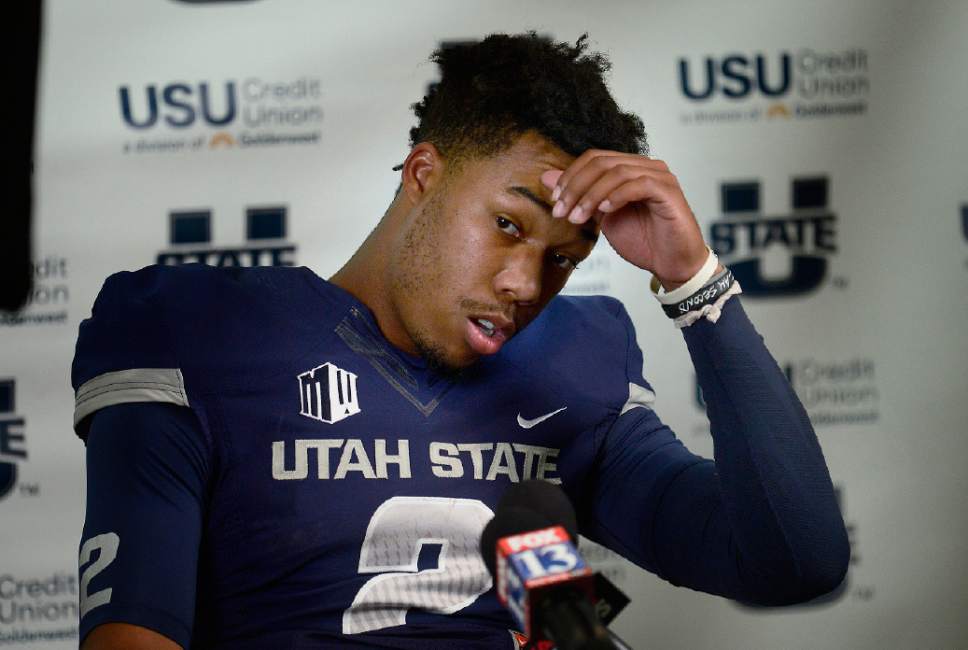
(134, 385)
(638, 396)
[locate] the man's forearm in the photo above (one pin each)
(776, 489)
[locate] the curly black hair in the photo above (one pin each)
(492, 91)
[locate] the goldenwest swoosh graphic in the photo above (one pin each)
(527, 424)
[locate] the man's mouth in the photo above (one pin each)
(487, 334)
(486, 326)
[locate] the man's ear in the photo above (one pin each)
(422, 170)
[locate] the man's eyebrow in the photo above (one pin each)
(587, 233)
(528, 194)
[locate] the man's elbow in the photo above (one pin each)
(821, 581)
(828, 568)
(812, 579)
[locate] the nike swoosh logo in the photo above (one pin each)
(527, 424)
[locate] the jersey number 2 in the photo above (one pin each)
(397, 531)
(106, 546)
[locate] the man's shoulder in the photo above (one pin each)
(196, 293)
(191, 284)
(196, 316)
(604, 309)
(581, 346)
(582, 320)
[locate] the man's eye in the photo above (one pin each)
(508, 226)
(564, 262)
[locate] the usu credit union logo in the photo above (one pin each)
(179, 116)
(805, 83)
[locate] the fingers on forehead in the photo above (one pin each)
(604, 159)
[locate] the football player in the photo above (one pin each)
(276, 460)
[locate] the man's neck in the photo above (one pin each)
(365, 277)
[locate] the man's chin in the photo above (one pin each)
(444, 363)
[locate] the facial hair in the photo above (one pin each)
(419, 273)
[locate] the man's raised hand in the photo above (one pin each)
(640, 206)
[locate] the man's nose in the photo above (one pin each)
(520, 278)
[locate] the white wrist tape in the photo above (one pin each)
(692, 286)
(711, 311)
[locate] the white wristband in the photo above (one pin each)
(692, 286)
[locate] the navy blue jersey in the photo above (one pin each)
(266, 470)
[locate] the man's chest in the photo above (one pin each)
(352, 422)
(316, 457)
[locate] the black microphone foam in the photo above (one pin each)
(545, 499)
(509, 520)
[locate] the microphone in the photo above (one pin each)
(539, 575)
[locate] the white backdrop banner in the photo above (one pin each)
(821, 146)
